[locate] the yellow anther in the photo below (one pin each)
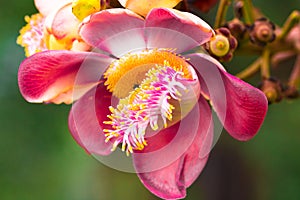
(123, 146)
(110, 117)
(165, 124)
(155, 127)
(111, 109)
(138, 113)
(83, 8)
(145, 143)
(178, 93)
(146, 118)
(114, 146)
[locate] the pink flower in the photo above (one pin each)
(139, 93)
(54, 27)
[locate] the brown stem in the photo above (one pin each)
(291, 22)
(248, 12)
(221, 13)
(265, 65)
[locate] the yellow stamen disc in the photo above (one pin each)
(219, 45)
(130, 70)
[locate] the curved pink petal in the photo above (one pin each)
(117, 31)
(240, 106)
(63, 24)
(86, 120)
(45, 7)
(175, 157)
(51, 76)
(169, 28)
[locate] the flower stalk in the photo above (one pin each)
(248, 12)
(290, 23)
(265, 65)
(221, 13)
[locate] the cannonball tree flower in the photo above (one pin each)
(145, 91)
(54, 27)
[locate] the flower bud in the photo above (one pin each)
(237, 28)
(273, 90)
(262, 32)
(222, 45)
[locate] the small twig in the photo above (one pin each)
(265, 65)
(281, 56)
(248, 12)
(291, 22)
(250, 70)
(221, 13)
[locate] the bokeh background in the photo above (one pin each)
(40, 159)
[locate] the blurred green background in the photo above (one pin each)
(40, 159)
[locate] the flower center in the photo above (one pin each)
(149, 84)
(32, 35)
(144, 107)
(129, 71)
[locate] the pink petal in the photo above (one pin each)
(63, 24)
(86, 120)
(240, 106)
(50, 76)
(117, 31)
(45, 7)
(169, 28)
(175, 157)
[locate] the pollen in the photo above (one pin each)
(32, 35)
(129, 71)
(145, 107)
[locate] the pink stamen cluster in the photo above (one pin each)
(143, 107)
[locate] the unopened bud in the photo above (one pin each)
(222, 45)
(219, 45)
(262, 32)
(273, 90)
(237, 28)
